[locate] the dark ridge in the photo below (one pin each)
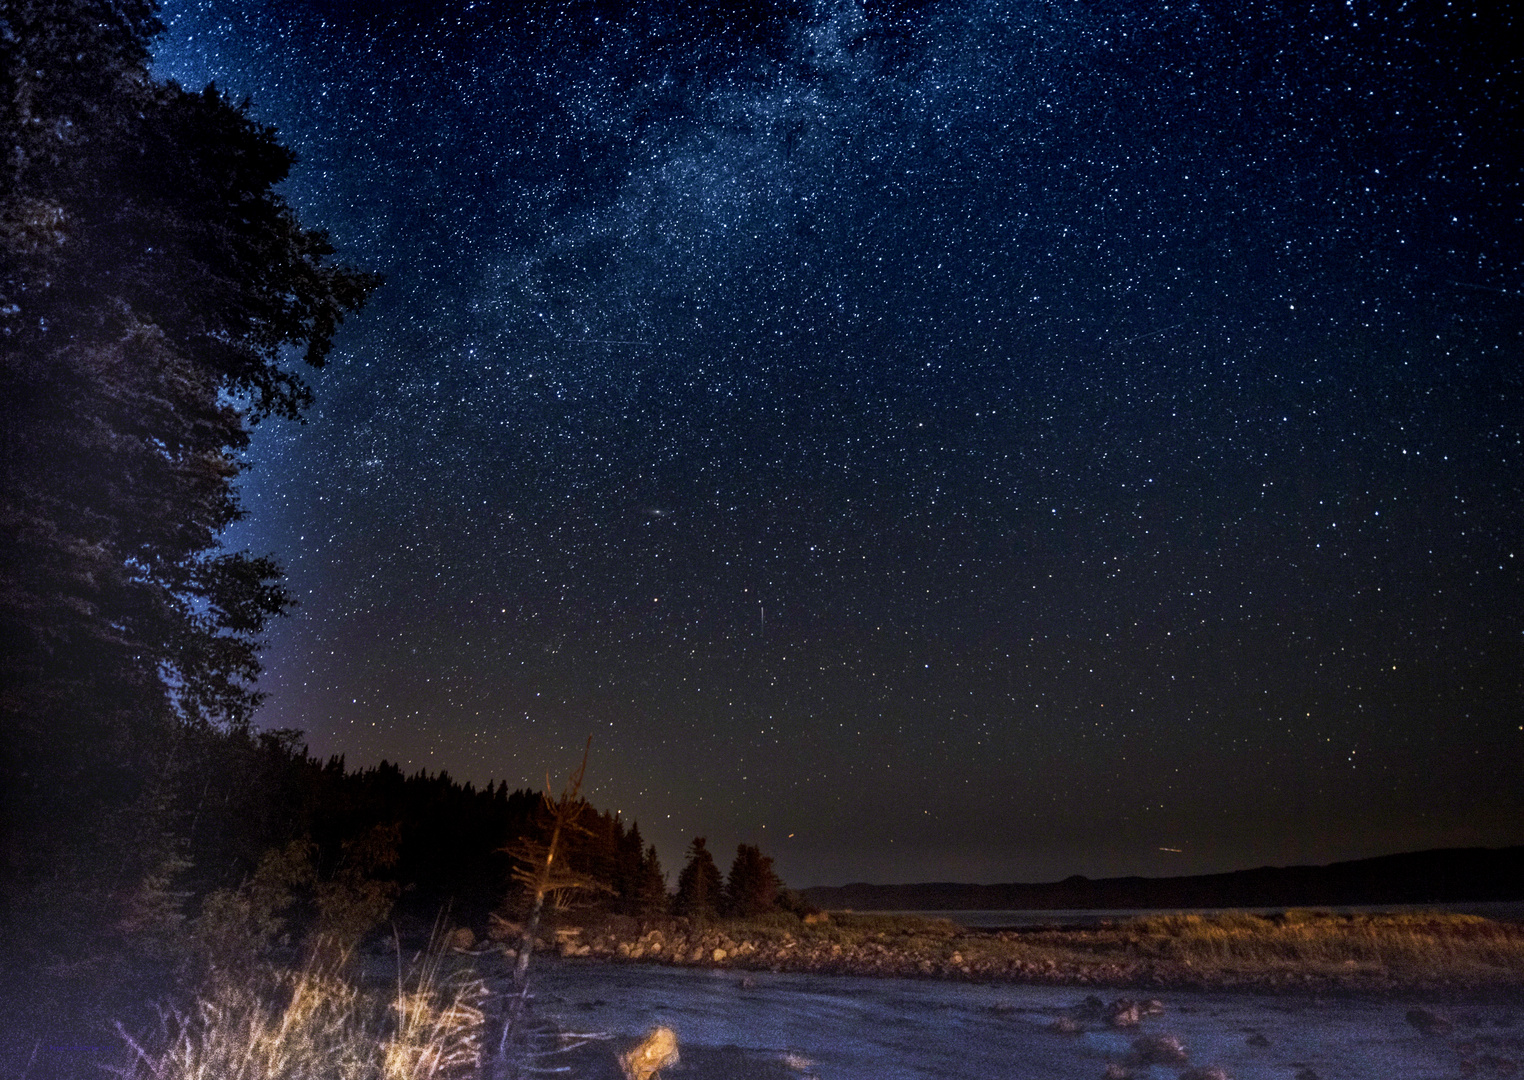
(1445, 876)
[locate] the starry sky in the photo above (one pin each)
(978, 440)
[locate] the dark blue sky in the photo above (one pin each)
(986, 441)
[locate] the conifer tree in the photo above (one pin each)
(752, 888)
(700, 888)
(651, 893)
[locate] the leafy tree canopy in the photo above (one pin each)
(152, 285)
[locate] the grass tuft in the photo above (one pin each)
(318, 1024)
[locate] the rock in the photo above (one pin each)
(1430, 1023)
(1123, 1013)
(1092, 1008)
(1157, 1050)
(1206, 1072)
(657, 1051)
(1152, 1007)
(461, 938)
(718, 955)
(1116, 1072)
(1065, 1026)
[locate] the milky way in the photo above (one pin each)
(966, 440)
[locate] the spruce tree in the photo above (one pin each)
(651, 895)
(700, 888)
(752, 888)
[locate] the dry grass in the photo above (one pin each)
(859, 927)
(1374, 951)
(1402, 946)
(316, 1024)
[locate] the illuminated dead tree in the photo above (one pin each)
(542, 868)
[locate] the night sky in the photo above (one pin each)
(966, 440)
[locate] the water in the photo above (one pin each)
(734, 1025)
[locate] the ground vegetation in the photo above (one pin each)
(1296, 951)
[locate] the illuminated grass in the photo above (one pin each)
(1400, 945)
(1402, 948)
(316, 1024)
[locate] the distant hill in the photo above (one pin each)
(1449, 875)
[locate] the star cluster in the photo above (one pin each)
(951, 440)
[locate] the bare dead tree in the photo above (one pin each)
(542, 868)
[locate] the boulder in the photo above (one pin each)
(646, 1059)
(1157, 1050)
(1123, 1013)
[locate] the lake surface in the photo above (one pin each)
(734, 1025)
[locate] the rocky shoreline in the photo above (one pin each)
(977, 956)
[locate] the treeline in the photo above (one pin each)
(751, 889)
(437, 844)
(433, 844)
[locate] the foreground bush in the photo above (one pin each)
(319, 1024)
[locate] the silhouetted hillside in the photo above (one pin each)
(1451, 875)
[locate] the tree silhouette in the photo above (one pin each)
(752, 888)
(151, 283)
(651, 891)
(700, 889)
